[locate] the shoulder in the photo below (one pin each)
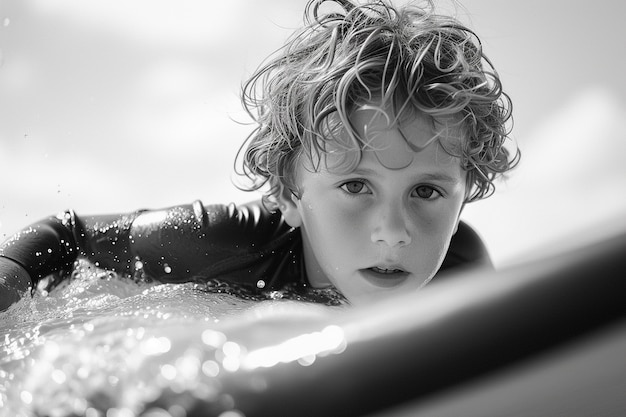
(467, 249)
(206, 240)
(252, 220)
(217, 221)
(197, 216)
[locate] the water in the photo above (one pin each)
(101, 345)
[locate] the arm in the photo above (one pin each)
(14, 281)
(176, 244)
(53, 244)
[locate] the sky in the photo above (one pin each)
(110, 106)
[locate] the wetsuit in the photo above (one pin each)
(244, 244)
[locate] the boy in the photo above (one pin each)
(375, 125)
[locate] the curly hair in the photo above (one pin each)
(407, 57)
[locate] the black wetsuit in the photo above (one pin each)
(243, 244)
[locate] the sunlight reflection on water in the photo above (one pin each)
(97, 342)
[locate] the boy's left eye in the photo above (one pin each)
(426, 192)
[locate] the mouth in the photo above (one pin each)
(385, 270)
(384, 277)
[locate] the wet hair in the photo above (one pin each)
(406, 58)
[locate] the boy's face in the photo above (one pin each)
(385, 227)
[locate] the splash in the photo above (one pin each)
(98, 344)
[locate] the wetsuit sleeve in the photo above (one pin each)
(239, 243)
(53, 244)
(177, 244)
(14, 281)
(169, 244)
(34, 252)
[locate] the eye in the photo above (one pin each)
(426, 192)
(355, 187)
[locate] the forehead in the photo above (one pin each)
(395, 142)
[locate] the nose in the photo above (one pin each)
(391, 226)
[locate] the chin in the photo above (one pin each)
(369, 294)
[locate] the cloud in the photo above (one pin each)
(184, 22)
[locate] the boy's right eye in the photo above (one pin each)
(355, 187)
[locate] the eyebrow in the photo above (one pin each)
(430, 176)
(440, 177)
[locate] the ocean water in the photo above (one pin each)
(102, 345)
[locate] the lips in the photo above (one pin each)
(384, 276)
(386, 270)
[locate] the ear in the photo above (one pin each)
(458, 220)
(288, 205)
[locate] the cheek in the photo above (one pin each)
(432, 231)
(435, 227)
(332, 226)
